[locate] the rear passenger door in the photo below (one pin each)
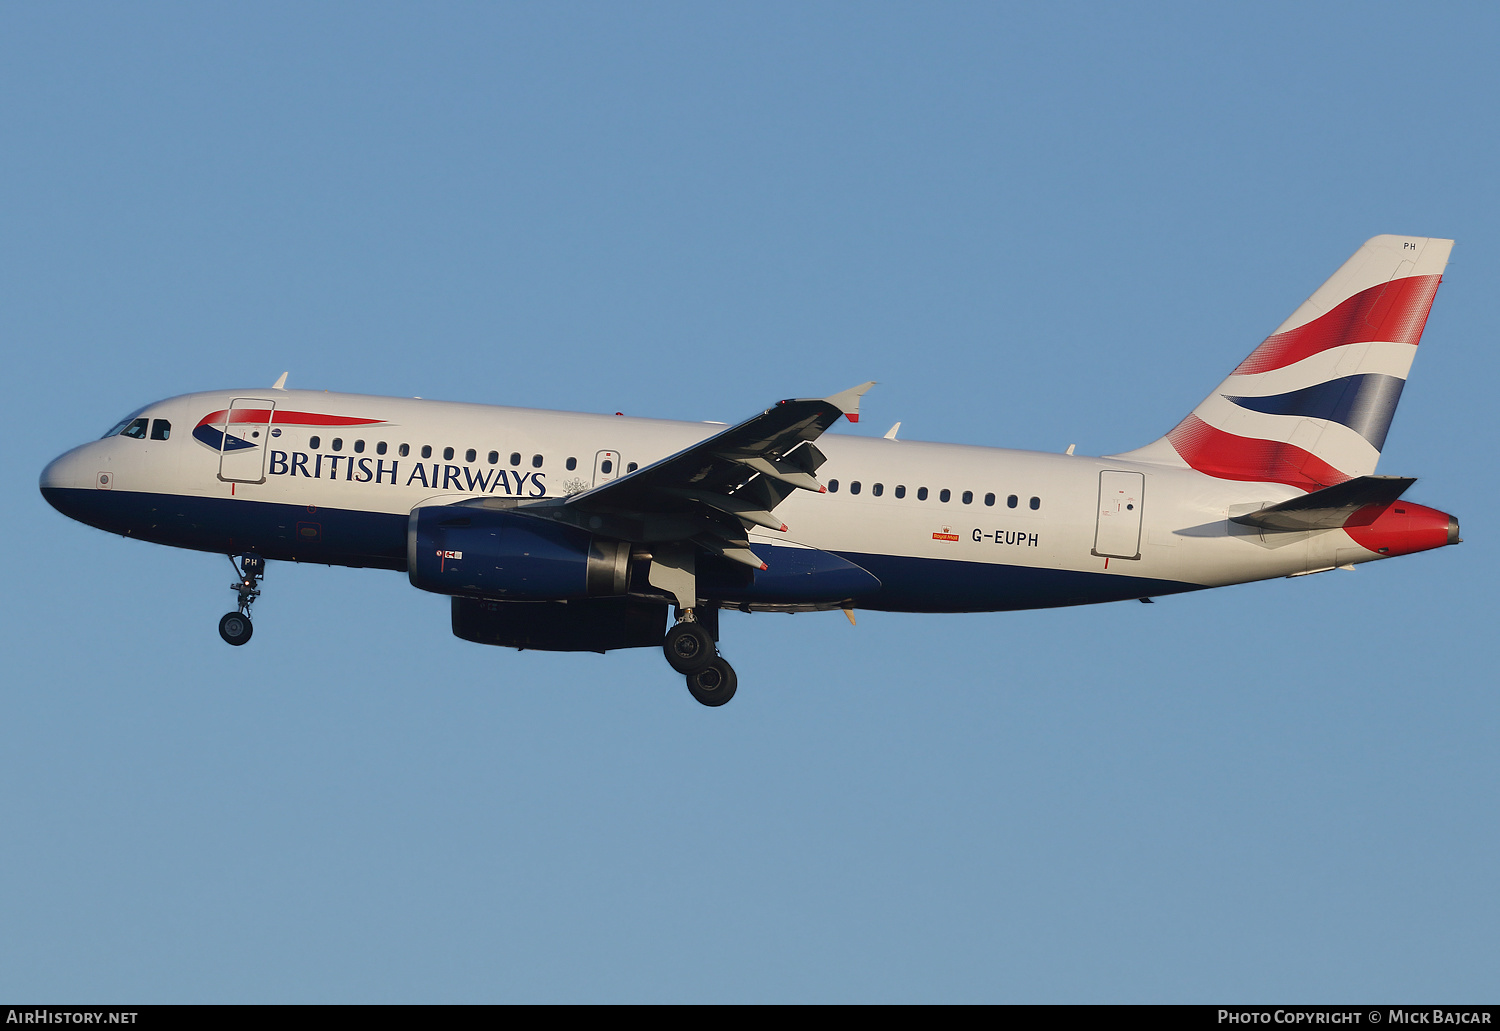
(1118, 531)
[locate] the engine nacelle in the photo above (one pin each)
(593, 625)
(482, 553)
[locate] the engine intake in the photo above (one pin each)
(481, 553)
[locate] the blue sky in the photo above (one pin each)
(1034, 225)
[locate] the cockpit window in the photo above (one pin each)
(120, 426)
(136, 429)
(161, 429)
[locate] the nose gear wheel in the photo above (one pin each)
(235, 628)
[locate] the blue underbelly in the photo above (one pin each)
(378, 539)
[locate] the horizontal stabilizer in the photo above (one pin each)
(1329, 508)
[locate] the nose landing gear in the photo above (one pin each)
(691, 651)
(235, 627)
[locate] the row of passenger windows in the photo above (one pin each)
(161, 429)
(471, 455)
(945, 495)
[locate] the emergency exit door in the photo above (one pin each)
(606, 466)
(246, 434)
(1118, 532)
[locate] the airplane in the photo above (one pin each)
(578, 532)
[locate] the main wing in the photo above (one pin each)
(712, 492)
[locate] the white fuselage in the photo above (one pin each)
(1061, 503)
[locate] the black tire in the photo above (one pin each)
(714, 684)
(235, 628)
(689, 647)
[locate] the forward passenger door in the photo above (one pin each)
(247, 431)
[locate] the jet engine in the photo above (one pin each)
(483, 553)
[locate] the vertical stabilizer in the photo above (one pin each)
(1310, 407)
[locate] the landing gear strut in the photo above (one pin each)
(691, 651)
(235, 627)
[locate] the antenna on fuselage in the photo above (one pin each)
(280, 384)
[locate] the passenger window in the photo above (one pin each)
(494, 457)
(470, 455)
(536, 461)
(968, 497)
(338, 444)
(404, 450)
(1010, 502)
(426, 450)
(160, 429)
(921, 493)
(854, 487)
(989, 501)
(632, 467)
(359, 447)
(606, 467)
(833, 486)
(380, 448)
(944, 495)
(1036, 503)
(447, 454)
(878, 489)
(900, 490)
(314, 443)
(136, 429)
(572, 464)
(515, 458)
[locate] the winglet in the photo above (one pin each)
(848, 401)
(280, 384)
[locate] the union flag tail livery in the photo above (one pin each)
(1310, 407)
(582, 532)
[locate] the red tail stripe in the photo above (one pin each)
(1395, 311)
(1231, 457)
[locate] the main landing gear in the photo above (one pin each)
(235, 627)
(690, 650)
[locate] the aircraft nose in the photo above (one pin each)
(67, 474)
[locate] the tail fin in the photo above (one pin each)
(1311, 405)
